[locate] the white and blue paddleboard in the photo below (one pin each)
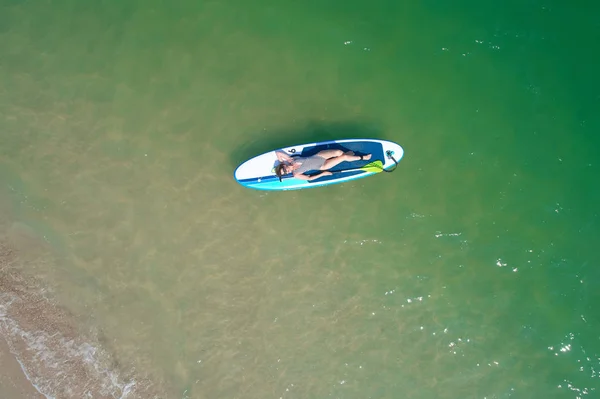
(259, 172)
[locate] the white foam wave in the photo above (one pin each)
(59, 366)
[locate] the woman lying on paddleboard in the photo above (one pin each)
(322, 160)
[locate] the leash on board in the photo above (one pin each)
(390, 155)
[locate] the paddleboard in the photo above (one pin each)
(259, 172)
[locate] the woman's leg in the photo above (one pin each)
(347, 157)
(330, 153)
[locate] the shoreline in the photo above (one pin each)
(14, 383)
(43, 353)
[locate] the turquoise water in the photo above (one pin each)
(470, 272)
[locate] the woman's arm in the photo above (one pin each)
(283, 157)
(314, 177)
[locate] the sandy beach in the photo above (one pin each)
(13, 382)
(43, 351)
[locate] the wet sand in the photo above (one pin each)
(13, 382)
(43, 349)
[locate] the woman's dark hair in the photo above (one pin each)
(280, 170)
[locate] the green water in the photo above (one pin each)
(470, 272)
